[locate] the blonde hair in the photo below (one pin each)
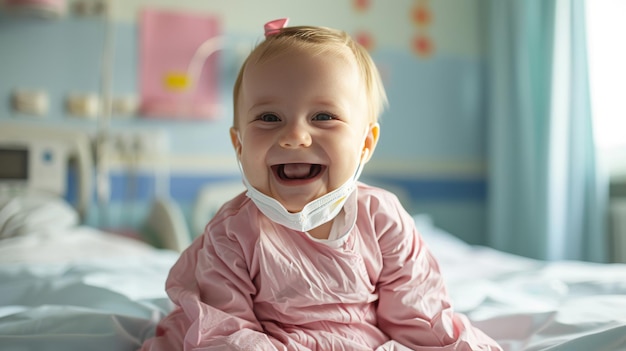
(319, 40)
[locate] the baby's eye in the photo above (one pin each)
(269, 117)
(324, 117)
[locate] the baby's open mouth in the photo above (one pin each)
(297, 171)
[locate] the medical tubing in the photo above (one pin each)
(103, 187)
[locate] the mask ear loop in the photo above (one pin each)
(365, 154)
(366, 150)
(240, 148)
(374, 129)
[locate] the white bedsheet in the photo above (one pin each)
(533, 305)
(97, 304)
(100, 302)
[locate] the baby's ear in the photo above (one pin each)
(371, 139)
(235, 140)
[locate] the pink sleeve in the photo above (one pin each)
(414, 308)
(212, 293)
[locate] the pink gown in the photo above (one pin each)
(250, 284)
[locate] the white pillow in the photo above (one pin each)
(34, 212)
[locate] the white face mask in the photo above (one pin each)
(313, 214)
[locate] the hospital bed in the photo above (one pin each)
(65, 286)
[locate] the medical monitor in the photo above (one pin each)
(37, 158)
(13, 164)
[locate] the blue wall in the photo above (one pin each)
(432, 137)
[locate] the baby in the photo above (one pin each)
(309, 258)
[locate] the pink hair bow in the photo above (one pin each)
(273, 27)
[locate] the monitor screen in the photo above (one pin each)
(13, 164)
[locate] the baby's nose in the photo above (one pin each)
(295, 136)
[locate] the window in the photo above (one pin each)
(607, 78)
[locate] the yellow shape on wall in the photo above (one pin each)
(177, 81)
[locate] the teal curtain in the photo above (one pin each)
(547, 196)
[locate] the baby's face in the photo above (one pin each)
(302, 126)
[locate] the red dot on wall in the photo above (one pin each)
(421, 15)
(361, 5)
(365, 39)
(423, 45)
